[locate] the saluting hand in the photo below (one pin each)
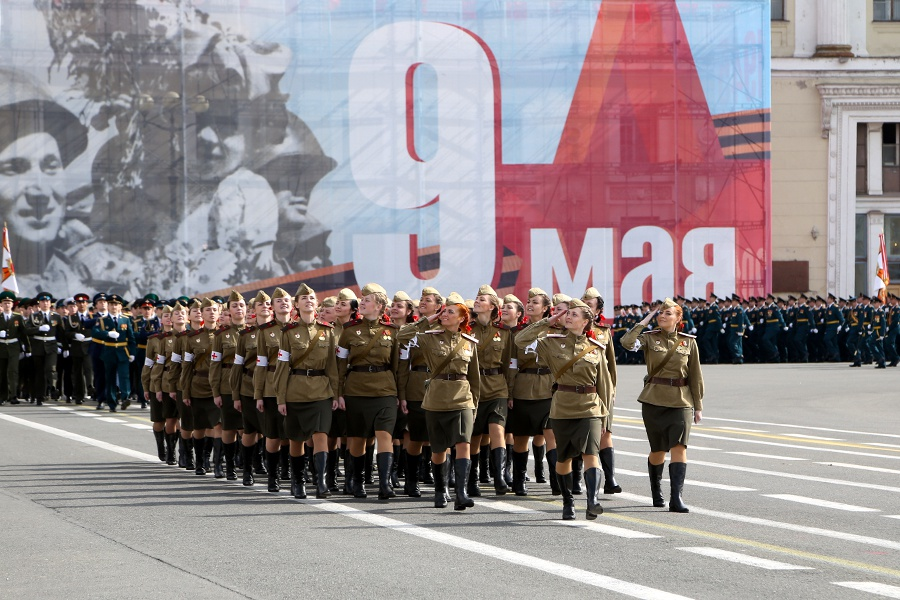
(646, 320)
(556, 317)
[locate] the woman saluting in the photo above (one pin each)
(452, 393)
(583, 390)
(672, 397)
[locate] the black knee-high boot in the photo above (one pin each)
(441, 497)
(395, 467)
(370, 464)
(577, 469)
(462, 467)
(592, 483)
(425, 466)
(248, 452)
(298, 489)
(218, 448)
(656, 473)
(260, 458)
(272, 459)
(385, 463)
(182, 445)
(449, 470)
(321, 460)
(230, 450)
(171, 442)
(499, 455)
(411, 484)
(608, 464)
(471, 481)
(677, 471)
(551, 467)
(189, 453)
(520, 467)
(199, 456)
(349, 482)
(359, 476)
(507, 465)
(160, 444)
(565, 487)
(284, 462)
(330, 471)
(484, 467)
(209, 443)
(539, 453)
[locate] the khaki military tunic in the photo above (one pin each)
(294, 381)
(241, 376)
(195, 364)
(495, 350)
(171, 381)
(684, 364)
(154, 343)
(267, 343)
(355, 352)
(221, 360)
(436, 344)
(557, 349)
(412, 371)
(529, 384)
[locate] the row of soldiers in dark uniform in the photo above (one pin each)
(83, 349)
(861, 330)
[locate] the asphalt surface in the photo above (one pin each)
(793, 482)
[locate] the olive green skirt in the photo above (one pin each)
(666, 427)
(306, 418)
(231, 418)
(416, 422)
(156, 409)
(272, 420)
(448, 428)
(250, 417)
(184, 413)
(366, 415)
(205, 412)
(575, 437)
(490, 411)
(529, 417)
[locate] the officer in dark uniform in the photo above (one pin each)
(13, 340)
(95, 349)
(834, 322)
(855, 332)
(877, 334)
(44, 329)
(737, 324)
(865, 343)
(145, 325)
(802, 321)
(116, 333)
(893, 329)
(774, 325)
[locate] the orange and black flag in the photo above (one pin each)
(9, 272)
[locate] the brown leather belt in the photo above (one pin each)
(680, 382)
(420, 368)
(270, 368)
(494, 371)
(451, 376)
(578, 389)
(309, 372)
(369, 369)
(538, 371)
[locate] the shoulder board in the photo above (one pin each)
(289, 326)
(598, 326)
(324, 324)
(249, 329)
(596, 342)
(353, 322)
(195, 333)
(652, 331)
(557, 335)
(686, 335)
(223, 329)
(183, 333)
(267, 325)
(391, 325)
(431, 331)
(156, 336)
(165, 334)
(469, 337)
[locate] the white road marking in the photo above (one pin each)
(690, 482)
(140, 426)
(745, 559)
(861, 467)
(782, 445)
(742, 429)
(516, 558)
(83, 413)
(111, 420)
(828, 533)
(879, 589)
(813, 437)
(609, 530)
(822, 503)
(61, 408)
(891, 516)
(884, 445)
(773, 456)
(508, 507)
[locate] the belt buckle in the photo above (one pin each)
(579, 389)
(371, 369)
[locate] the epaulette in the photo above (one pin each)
(223, 329)
(289, 326)
(469, 337)
(596, 342)
(352, 322)
(324, 324)
(195, 333)
(557, 335)
(392, 325)
(652, 331)
(248, 329)
(432, 331)
(599, 326)
(154, 336)
(165, 334)
(687, 335)
(183, 333)
(271, 323)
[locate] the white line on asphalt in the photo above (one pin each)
(609, 530)
(82, 413)
(768, 424)
(745, 559)
(703, 463)
(828, 533)
(813, 437)
(572, 573)
(879, 589)
(795, 446)
(742, 429)
(61, 408)
(773, 456)
(717, 486)
(111, 420)
(822, 503)
(891, 516)
(884, 445)
(140, 426)
(861, 467)
(508, 507)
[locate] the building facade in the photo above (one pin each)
(835, 143)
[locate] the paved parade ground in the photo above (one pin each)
(793, 483)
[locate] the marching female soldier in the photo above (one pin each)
(367, 362)
(306, 378)
(583, 391)
(346, 309)
(221, 361)
(160, 395)
(151, 387)
(452, 393)
(196, 392)
(603, 334)
(494, 355)
(672, 397)
(401, 312)
(171, 382)
(264, 388)
(245, 354)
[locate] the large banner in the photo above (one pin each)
(180, 146)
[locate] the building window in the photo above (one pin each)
(885, 10)
(778, 10)
(890, 157)
(862, 252)
(892, 245)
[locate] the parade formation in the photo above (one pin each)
(440, 391)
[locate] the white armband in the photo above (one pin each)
(404, 353)
(262, 361)
(176, 358)
(215, 357)
(148, 362)
(160, 359)
(238, 359)
(284, 356)
(188, 357)
(514, 363)
(637, 346)
(342, 352)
